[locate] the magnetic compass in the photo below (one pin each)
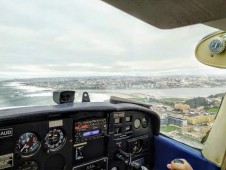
(217, 45)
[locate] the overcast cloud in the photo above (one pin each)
(82, 38)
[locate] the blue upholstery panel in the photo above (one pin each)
(167, 149)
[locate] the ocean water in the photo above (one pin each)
(14, 94)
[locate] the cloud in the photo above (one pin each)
(41, 38)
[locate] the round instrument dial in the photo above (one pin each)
(54, 140)
(137, 123)
(137, 146)
(145, 122)
(217, 45)
(29, 165)
(28, 144)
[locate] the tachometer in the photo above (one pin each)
(28, 144)
(54, 140)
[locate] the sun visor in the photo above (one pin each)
(219, 24)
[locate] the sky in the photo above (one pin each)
(88, 38)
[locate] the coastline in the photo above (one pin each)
(21, 94)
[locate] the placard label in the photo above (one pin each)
(4, 133)
(6, 161)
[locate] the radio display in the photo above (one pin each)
(91, 133)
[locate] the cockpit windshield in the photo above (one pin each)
(91, 46)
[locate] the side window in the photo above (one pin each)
(188, 120)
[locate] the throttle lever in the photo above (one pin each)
(130, 163)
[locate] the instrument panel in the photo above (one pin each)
(78, 138)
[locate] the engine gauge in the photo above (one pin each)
(28, 144)
(54, 140)
(29, 165)
(145, 122)
(137, 123)
(137, 146)
(217, 45)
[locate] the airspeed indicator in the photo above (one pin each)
(28, 144)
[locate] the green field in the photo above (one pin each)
(172, 101)
(189, 138)
(213, 110)
(169, 128)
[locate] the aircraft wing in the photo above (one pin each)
(167, 14)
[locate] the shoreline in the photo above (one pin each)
(35, 91)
